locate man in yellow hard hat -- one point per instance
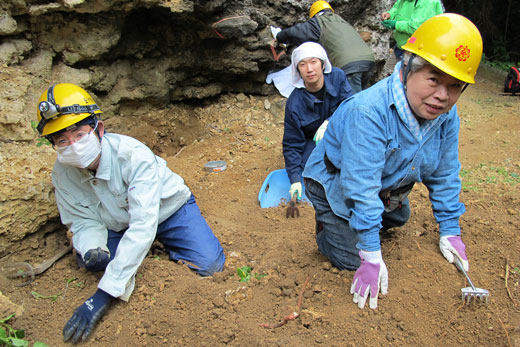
(343, 44)
(116, 197)
(402, 130)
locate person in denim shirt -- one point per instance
(117, 197)
(381, 141)
(319, 89)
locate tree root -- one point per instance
(293, 315)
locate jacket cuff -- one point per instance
(449, 227)
(369, 241)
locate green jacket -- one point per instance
(410, 14)
(341, 41)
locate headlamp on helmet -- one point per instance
(48, 110)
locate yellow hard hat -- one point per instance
(451, 43)
(318, 6)
(63, 105)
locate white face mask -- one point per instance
(81, 153)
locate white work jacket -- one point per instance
(132, 190)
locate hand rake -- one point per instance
(292, 210)
(471, 292)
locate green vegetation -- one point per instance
(13, 337)
(37, 295)
(41, 140)
(73, 279)
(473, 179)
(501, 62)
(245, 273)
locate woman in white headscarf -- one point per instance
(320, 88)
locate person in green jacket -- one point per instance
(406, 16)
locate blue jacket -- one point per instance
(370, 148)
(304, 113)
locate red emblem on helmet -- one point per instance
(462, 53)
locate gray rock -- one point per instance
(7, 24)
(13, 51)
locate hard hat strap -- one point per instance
(407, 70)
(77, 109)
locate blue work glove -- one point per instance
(389, 23)
(451, 246)
(370, 277)
(96, 259)
(85, 318)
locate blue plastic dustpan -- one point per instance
(275, 189)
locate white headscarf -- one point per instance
(304, 51)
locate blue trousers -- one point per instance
(334, 237)
(187, 237)
(359, 80)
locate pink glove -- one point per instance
(452, 245)
(370, 275)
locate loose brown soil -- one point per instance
(173, 306)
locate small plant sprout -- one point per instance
(37, 295)
(13, 337)
(245, 273)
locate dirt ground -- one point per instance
(173, 306)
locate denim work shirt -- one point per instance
(304, 113)
(373, 148)
(132, 190)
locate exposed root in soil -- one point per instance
(292, 315)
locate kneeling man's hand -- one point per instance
(85, 318)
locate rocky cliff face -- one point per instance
(134, 55)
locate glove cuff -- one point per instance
(296, 185)
(371, 257)
(102, 297)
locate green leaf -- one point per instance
(19, 342)
(37, 295)
(40, 344)
(19, 334)
(244, 273)
(3, 333)
(259, 276)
